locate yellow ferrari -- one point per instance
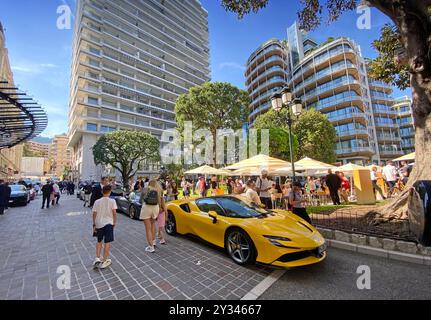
(248, 233)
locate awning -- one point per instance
(207, 170)
(407, 157)
(21, 118)
(261, 161)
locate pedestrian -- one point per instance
(263, 185)
(185, 185)
(345, 187)
(297, 202)
(251, 193)
(202, 187)
(390, 174)
(8, 193)
(96, 192)
(37, 188)
(374, 183)
(152, 200)
(56, 192)
(333, 182)
(404, 172)
(4, 196)
(46, 194)
(104, 222)
(87, 194)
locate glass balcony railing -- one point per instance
(354, 150)
(338, 117)
(353, 132)
(273, 80)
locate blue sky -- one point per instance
(40, 54)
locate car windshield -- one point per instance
(239, 208)
(18, 188)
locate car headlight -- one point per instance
(275, 241)
(322, 249)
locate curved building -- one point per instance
(266, 73)
(403, 109)
(332, 78)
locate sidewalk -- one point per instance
(35, 243)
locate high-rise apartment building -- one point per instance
(403, 109)
(131, 60)
(38, 149)
(331, 78)
(60, 155)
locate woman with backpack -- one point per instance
(152, 204)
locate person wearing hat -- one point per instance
(263, 185)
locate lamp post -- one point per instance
(280, 101)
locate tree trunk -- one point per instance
(412, 19)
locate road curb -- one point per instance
(264, 285)
(388, 254)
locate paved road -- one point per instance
(336, 278)
(35, 242)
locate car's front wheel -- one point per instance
(240, 247)
(171, 224)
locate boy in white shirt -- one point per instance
(104, 221)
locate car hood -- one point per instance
(287, 225)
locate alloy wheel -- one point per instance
(239, 247)
(170, 224)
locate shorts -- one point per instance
(106, 233)
(161, 219)
(149, 212)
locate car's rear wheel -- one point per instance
(240, 247)
(132, 213)
(171, 224)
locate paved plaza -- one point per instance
(36, 243)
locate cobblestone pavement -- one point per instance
(35, 243)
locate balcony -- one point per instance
(355, 150)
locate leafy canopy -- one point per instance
(126, 151)
(308, 131)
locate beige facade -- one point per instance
(37, 148)
(60, 155)
(10, 159)
(131, 61)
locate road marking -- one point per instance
(264, 285)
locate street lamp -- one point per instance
(281, 100)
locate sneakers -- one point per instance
(105, 264)
(154, 243)
(163, 242)
(97, 262)
(150, 249)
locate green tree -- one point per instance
(213, 106)
(308, 131)
(316, 136)
(412, 29)
(126, 151)
(278, 142)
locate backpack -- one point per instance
(152, 197)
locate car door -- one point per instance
(204, 226)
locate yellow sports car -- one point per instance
(248, 233)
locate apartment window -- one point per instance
(94, 50)
(92, 127)
(94, 63)
(92, 100)
(107, 129)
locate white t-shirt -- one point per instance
(103, 207)
(253, 196)
(55, 188)
(263, 184)
(373, 176)
(390, 173)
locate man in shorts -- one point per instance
(104, 220)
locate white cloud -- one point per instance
(231, 65)
(32, 68)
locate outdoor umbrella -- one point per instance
(309, 164)
(349, 168)
(261, 161)
(207, 170)
(407, 157)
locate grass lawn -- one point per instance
(326, 209)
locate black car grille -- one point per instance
(289, 257)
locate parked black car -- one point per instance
(19, 196)
(129, 205)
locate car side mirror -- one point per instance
(213, 215)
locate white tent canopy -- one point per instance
(207, 170)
